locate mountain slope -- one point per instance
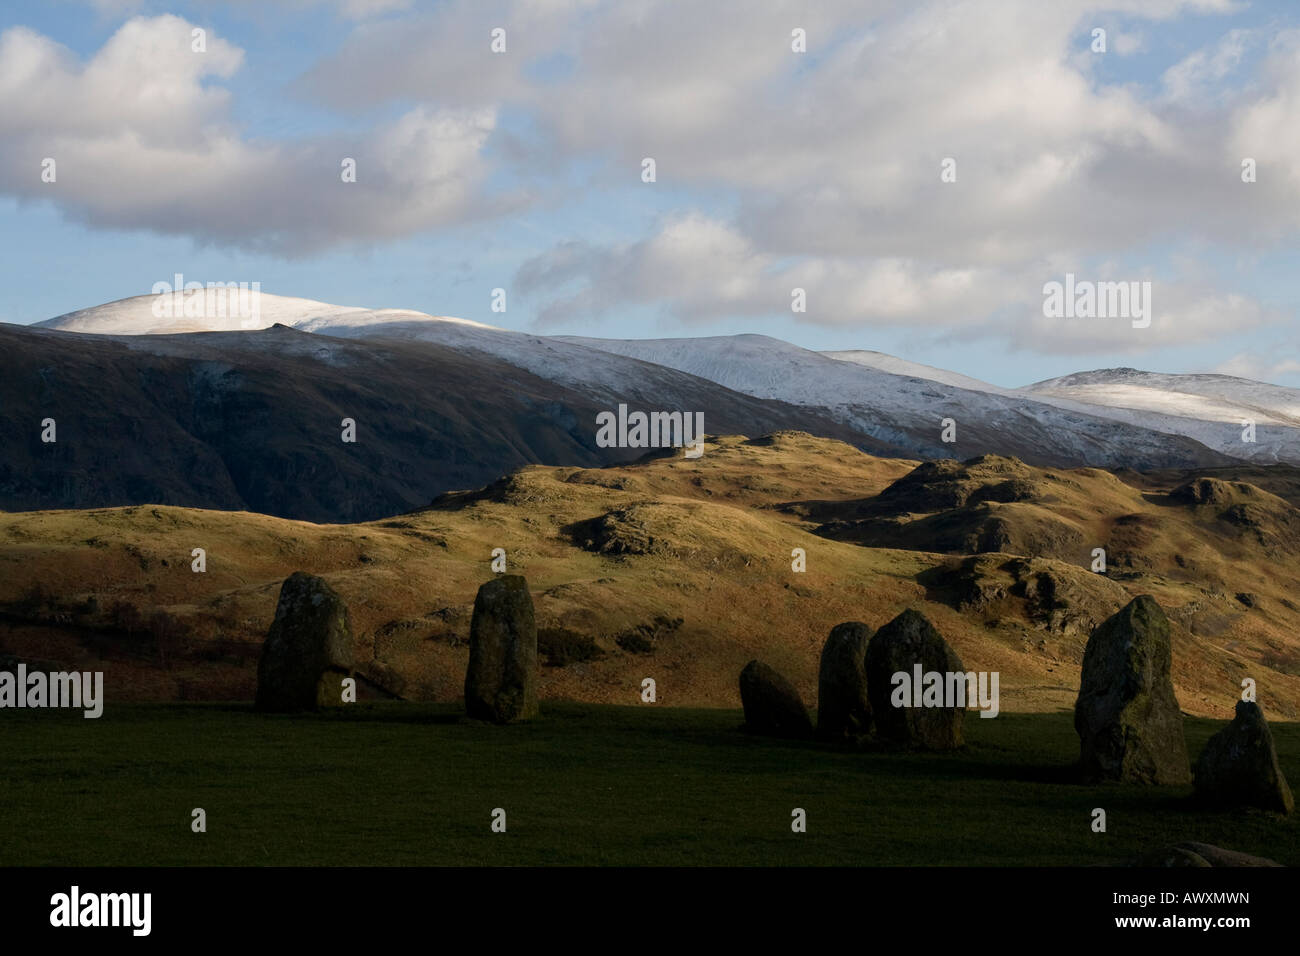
(1212, 409)
(907, 410)
(890, 402)
(252, 420)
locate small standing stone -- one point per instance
(843, 705)
(308, 650)
(1239, 768)
(1127, 717)
(773, 707)
(898, 647)
(501, 681)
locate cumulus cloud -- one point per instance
(698, 269)
(1261, 368)
(834, 164)
(819, 170)
(142, 137)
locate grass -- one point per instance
(410, 784)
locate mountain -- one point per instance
(605, 377)
(251, 420)
(905, 406)
(884, 362)
(1212, 409)
(887, 402)
(196, 311)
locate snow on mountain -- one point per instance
(1222, 397)
(898, 366)
(1150, 421)
(603, 377)
(199, 310)
(1210, 409)
(139, 315)
(908, 407)
(1213, 409)
(548, 358)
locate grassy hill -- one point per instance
(680, 570)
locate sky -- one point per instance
(796, 145)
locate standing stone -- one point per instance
(501, 682)
(843, 705)
(898, 647)
(773, 707)
(1239, 768)
(1129, 725)
(308, 651)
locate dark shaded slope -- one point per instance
(251, 420)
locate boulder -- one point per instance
(1239, 768)
(308, 650)
(501, 681)
(843, 706)
(1127, 717)
(773, 707)
(898, 647)
(1192, 854)
(1218, 856)
(1172, 857)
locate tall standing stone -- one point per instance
(1127, 717)
(501, 682)
(308, 650)
(843, 704)
(1239, 768)
(773, 707)
(898, 647)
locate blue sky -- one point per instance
(775, 169)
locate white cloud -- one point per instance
(1182, 314)
(827, 164)
(1261, 368)
(834, 164)
(1196, 78)
(143, 138)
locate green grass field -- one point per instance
(409, 784)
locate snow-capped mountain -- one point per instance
(193, 311)
(1213, 409)
(549, 358)
(905, 403)
(1090, 419)
(897, 366)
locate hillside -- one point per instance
(906, 404)
(252, 420)
(681, 570)
(890, 405)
